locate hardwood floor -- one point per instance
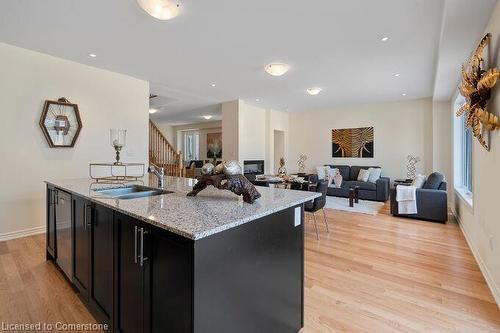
(368, 274)
(386, 274)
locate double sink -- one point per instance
(131, 192)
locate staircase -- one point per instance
(163, 154)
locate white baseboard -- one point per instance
(494, 288)
(22, 233)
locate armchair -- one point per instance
(432, 204)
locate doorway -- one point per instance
(279, 148)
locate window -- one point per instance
(191, 146)
(466, 180)
(462, 154)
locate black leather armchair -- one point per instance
(432, 205)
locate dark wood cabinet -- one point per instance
(101, 263)
(131, 275)
(154, 282)
(170, 282)
(82, 217)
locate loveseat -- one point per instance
(378, 191)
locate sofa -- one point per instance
(432, 201)
(378, 191)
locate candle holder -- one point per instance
(117, 138)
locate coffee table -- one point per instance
(353, 195)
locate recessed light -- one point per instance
(257, 100)
(152, 110)
(160, 9)
(314, 90)
(213, 85)
(403, 94)
(92, 55)
(384, 39)
(396, 74)
(277, 68)
(207, 117)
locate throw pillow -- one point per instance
(337, 179)
(363, 175)
(434, 180)
(419, 181)
(321, 171)
(374, 174)
(331, 172)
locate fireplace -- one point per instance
(253, 168)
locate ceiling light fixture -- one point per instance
(396, 75)
(385, 39)
(160, 9)
(152, 110)
(403, 94)
(92, 55)
(207, 117)
(213, 85)
(257, 100)
(277, 68)
(314, 91)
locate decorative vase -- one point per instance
(337, 179)
(282, 169)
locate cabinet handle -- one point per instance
(142, 258)
(88, 222)
(85, 217)
(135, 244)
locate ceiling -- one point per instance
(333, 44)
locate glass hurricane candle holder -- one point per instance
(117, 138)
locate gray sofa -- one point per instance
(378, 191)
(432, 202)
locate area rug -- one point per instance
(364, 206)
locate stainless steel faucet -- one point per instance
(158, 172)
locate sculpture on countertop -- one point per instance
(207, 169)
(226, 176)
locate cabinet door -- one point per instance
(130, 316)
(169, 283)
(101, 281)
(82, 215)
(51, 224)
(64, 235)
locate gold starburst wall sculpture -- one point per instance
(476, 87)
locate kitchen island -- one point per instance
(172, 263)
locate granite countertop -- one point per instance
(210, 212)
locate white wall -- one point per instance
(168, 132)
(105, 99)
(481, 223)
(230, 130)
(251, 132)
(400, 128)
(442, 142)
(248, 133)
(277, 121)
